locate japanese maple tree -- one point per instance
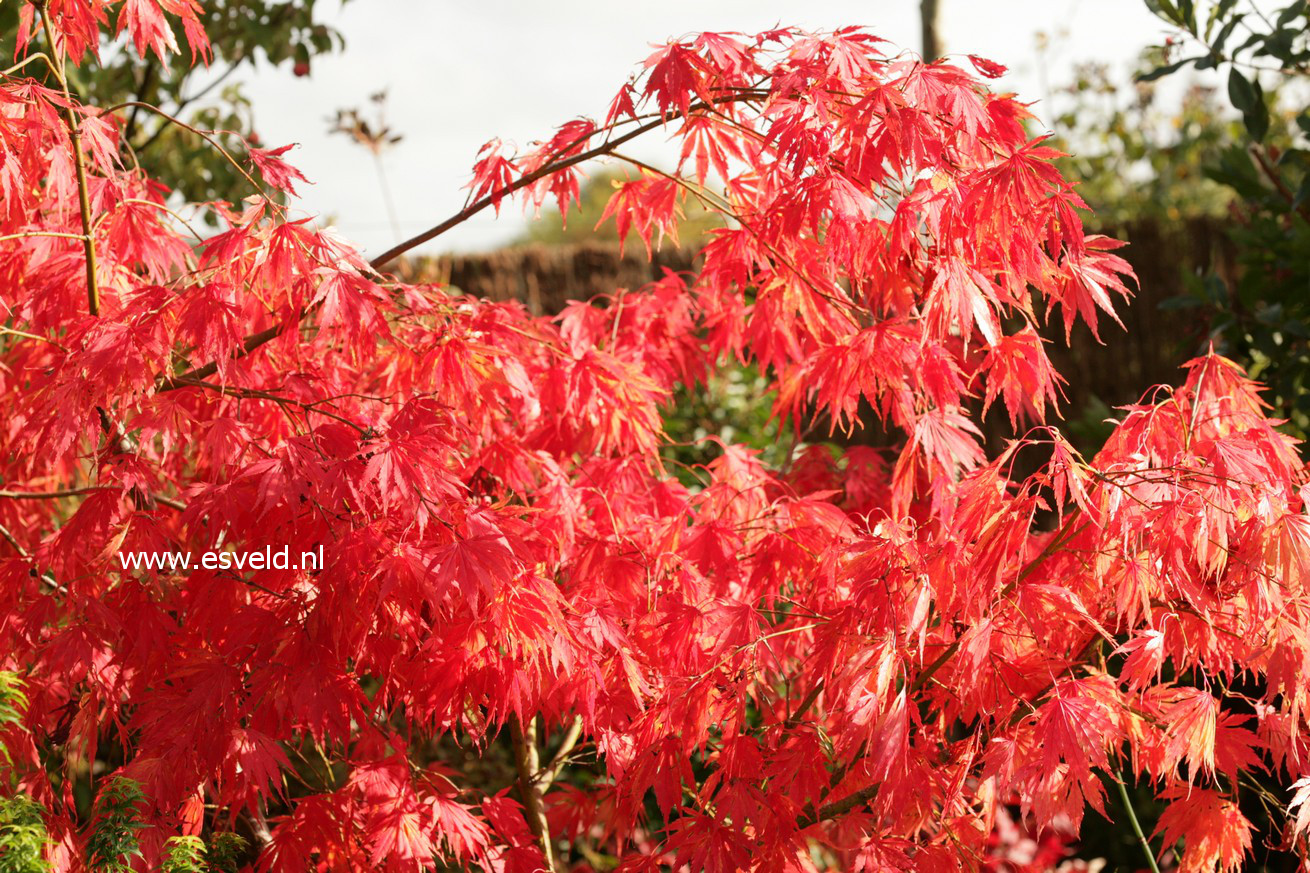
(860, 660)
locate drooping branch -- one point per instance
(256, 394)
(496, 196)
(63, 493)
(256, 340)
(548, 169)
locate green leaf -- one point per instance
(1257, 118)
(1240, 91)
(22, 836)
(1160, 72)
(113, 841)
(1248, 98)
(1279, 44)
(1302, 194)
(1165, 9)
(1248, 43)
(225, 851)
(1188, 11)
(183, 855)
(1293, 9)
(1225, 32)
(1294, 157)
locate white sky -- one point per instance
(461, 73)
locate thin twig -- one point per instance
(198, 132)
(1137, 827)
(35, 56)
(570, 741)
(79, 165)
(1257, 153)
(170, 502)
(9, 331)
(58, 234)
(256, 394)
(9, 538)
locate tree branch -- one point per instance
(257, 394)
(552, 167)
(552, 770)
(88, 489)
(804, 706)
(528, 763)
(1258, 155)
(496, 196)
(837, 807)
(79, 164)
(255, 340)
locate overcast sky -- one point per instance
(461, 73)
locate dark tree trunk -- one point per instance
(929, 11)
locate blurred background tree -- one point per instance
(243, 35)
(1260, 318)
(1137, 157)
(1259, 315)
(377, 137)
(1236, 153)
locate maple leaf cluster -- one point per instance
(858, 660)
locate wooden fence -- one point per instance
(1128, 361)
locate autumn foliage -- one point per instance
(864, 659)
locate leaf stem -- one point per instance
(1132, 820)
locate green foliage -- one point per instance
(184, 855)
(22, 836)
(225, 852)
(733, 407)
(241, 33)
(1258, 316)
(13, 702)
(113, 841)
